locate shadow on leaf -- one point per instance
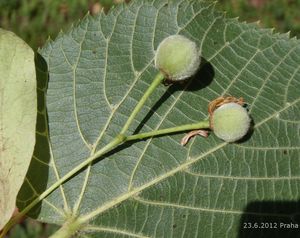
(200, 80)
(37, 174)
(270, 219)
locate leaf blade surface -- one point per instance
(143, 185)
(17, 118)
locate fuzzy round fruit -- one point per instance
(177, 57)
(231, 122)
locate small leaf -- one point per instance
(17, 118)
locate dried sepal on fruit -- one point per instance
(191, 134)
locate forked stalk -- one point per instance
(118, 140)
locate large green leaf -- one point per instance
(157, 188)
(17, 118)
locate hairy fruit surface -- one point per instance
(177, 57)
(231, 122)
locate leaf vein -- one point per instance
(234, 212)
(269, 76)
(113, 230)
(234, 177)
(74, 92)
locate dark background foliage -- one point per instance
(36, 20)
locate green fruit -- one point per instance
(177, 57)
(230, 122)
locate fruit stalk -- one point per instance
(187, 127)
(157, 80)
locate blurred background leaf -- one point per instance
(282, 15)
(18, 102)
(36, 20)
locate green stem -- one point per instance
(115, 142)
(157, 80)
(66, 230)
(188, 127)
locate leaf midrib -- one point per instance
(125, 196)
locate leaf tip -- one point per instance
(273, 30)
(47, 43)
(87, 15)
(60, 34)
(258, 23)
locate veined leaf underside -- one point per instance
(156, 188)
